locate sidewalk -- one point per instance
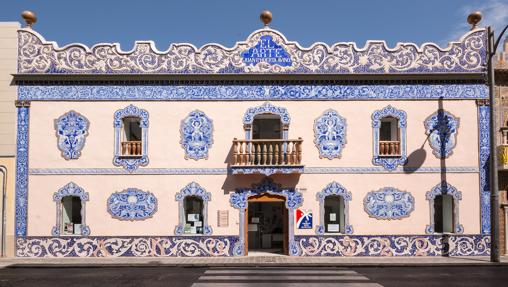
(248, 261)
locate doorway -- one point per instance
(267, 224)
(266, 127)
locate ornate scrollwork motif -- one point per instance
(71, 131)
(132, 204)
(389, 203)
(36, 55)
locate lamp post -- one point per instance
(473, 19)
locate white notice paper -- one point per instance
(253, 227)
(255, 220)
(333, 216)
(333, 227)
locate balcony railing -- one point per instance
(503, 155)
(389, 148)
(131, 148)
(271, 152)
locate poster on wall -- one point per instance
(304, 218)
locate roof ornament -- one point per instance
(474, 18)
(266, 17)
(30, 18)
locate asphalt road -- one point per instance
(255, 276)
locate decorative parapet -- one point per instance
(265, 51)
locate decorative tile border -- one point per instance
(394, 245)
(22, 139)
(218, 246)
(142, 246)
(38, 56)
(220, 171)
(283, 92)
(484, 146)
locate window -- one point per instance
(131, 138)
(389, 137)
(334, 214)
(334, 210)
(266, 126)
(193, 210)
(70, 211)
(444, 209)
(193, 206)
(443, 214)
(71, 215)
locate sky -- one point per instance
(226, 22)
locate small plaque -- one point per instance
(255, 220)
(223, 218)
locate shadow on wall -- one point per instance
(415, 160)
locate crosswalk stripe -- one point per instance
(279, 284)
(283, 277)
(261, 277)
(263, 271)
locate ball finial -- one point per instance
(474, 18)
(29, 17)
(266, 17)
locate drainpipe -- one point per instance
(3, 169)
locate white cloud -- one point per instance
(495, 14)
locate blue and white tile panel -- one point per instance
(38, 56)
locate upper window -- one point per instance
(70, 207)
(389, 137)
(267, 126)
(131, 138)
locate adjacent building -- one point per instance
(501, 92)
(8, 94)
(327, 150)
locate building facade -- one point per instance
(267, 145)
(8, 66)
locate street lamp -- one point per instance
(473, 19)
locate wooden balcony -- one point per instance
(389, 148)
(131, 148)
(503, 156)
(267, 156)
